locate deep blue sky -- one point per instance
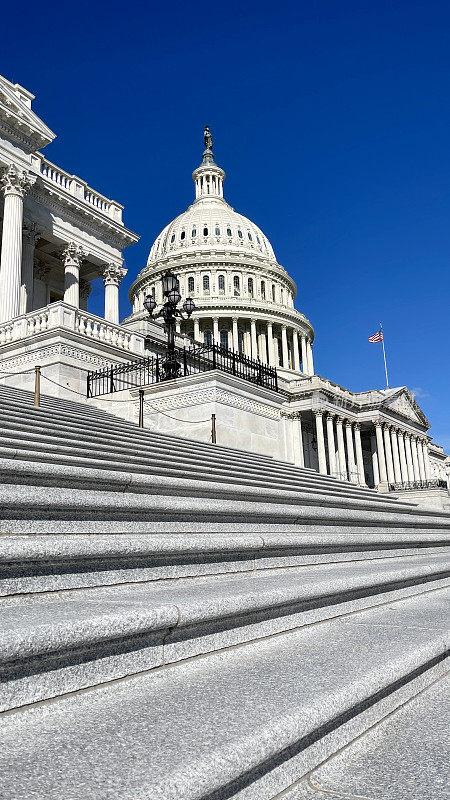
(331, 120)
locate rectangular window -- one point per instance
(224, 339)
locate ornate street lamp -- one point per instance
(169, 312)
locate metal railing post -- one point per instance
(141, 408)
(213, 428)
(37, 386)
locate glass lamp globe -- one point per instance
(150, 303)
(169, 283)
(189, 306)
(174, 296)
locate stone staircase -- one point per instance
(183, 620)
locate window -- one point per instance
(153, 292)
(282, 296)
(183, 234)
(250, 237)
(206, 283)
(250, 287)
(263, 290)
(205, 231)
(217, 231)
(224, 339)
(229, 232)
(257, 239)
(194, 232)
(273, 292)
(221, 284)
(172, 238)
(240, 341)
(237, 286)
(240, 234)
(208, 338)
(191, 285)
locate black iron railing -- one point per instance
(433, 483)
(191, 361)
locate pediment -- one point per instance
(404, 405)
(19, 120)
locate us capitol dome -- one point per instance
(244, 299)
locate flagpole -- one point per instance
(384, 356)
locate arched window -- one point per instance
(229, 232)
(194, 232)
(224, 339)
(263, 290)
(250, 237)
(221, 281)
(237, 286)
(273, 292)
(183, 234)
(208, 338)
(191, 285)
(206, 283)
(205, 231)
(172, 238)
(217, 231)
(240, 234)
(250, 287)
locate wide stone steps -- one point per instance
(243, 723)
(66, 641)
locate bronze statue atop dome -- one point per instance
(207, 138)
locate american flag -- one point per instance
(377, 337)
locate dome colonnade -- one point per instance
(244, 298)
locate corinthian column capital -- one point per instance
(113, 274)
(31, 232)
(73, 254)
(15, 182)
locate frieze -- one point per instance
(213, 396)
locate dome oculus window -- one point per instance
(221, 281)
(217, 231)
(257, 239)
(172, 238)
(194, 232)
(205, 231)
(182, 235)
(237, 286)
(191, 285)
(206, 283)
(229, 232)
(250, 237)
(240, 234)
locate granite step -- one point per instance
(66, 641)
(35, 563)
(245, 723)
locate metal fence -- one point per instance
(432, 483)
(190, 360)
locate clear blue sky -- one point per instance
(331, 120)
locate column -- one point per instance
(375, 469)
(85, 290)
(396, 460)
(196, 329)
(350, 453)
(235, 334)
(72, 257)
(14, 186)
(298, 440)
(359, 455)
(31, 234)
(380, 451)
(310, 357)
(420, 458)
(262, 347)
(304, 355)
(341, 448)
(426, 459)
(296, 351)
(409, 457)
(112, 278)
(216, 334)
(253, 338)
(415, 458)
(270, 344)
(284, 347)
(402, 451)
(320, 443)
(331, 443)
(388, 453)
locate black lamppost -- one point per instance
(169, 312)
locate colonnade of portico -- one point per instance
(17, 264)
(257, 338)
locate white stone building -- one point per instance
(58, 235)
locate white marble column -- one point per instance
(298, 440)
(31, 234)
(310, 357)
(331, 444)
(284, 347)
(395, 455)
(304, 355)
(112, 278)
(426, 459)
(415, 458)
(320, 442)
(235, 334)
(254, 339)
(262, 347)
(296, 351)
(196, 329)
(388, 452)
(216, 334)
(270, 344)
(359, 455)
(420, 458)
(14, 186)
(409, 457)
(402, 451)
(341, 448)
(353, 477)
(380, 451)
(375, 468)
(72, 256)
